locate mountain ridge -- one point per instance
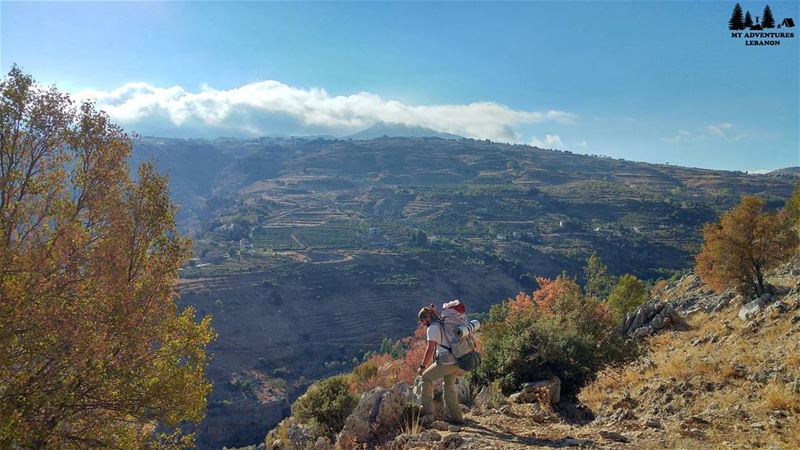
(335, 231)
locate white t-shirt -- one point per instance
(435, 334)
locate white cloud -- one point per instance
(550, 141)
(719, 129)
(723, 130)
(272, 107)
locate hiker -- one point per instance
(444, 366)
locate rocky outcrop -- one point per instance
(378, 413)
(289, 435)
(649, 318)
(678, 300)
(547, 390)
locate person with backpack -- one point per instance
(450, 351)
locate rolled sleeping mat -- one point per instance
(470, 328)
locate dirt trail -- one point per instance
(520, 427)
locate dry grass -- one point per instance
(792, 361)
(736, 403)
(780, 397)
(411, 422)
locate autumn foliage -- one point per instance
(556, 330)
(381, 370)
(93, 349)
(743, 245)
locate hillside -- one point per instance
(310, 251)
(722, 375)
(714, 381)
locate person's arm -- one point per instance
(426, 360)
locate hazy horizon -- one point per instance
(613, 79)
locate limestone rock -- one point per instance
(378, 412)
(451, 442)
(749, 310)
(427, 439)
(651, 316)
(440, 425)
(549, 390)
(613, 436)
(297, 435)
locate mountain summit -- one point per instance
(381, 129)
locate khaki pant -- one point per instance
(449, 372)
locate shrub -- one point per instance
(384, 370)
(561, 333)
(626, 296)
(326, 404)
(743, 245)
(793, 205)
(598, 281)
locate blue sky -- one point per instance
(651, 81)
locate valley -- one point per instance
(309, 251)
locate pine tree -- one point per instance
(767, 21)
(737, 19)
(598, 281)
(748, 20)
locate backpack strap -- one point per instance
(441, 333)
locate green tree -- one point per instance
(419, 238)
(326, 403)
(598, 281)
(767, 21)
(94, 352)
(793, 205)
(626, 296)
(737, 19)
(746, 242)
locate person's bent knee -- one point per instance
(429, 376)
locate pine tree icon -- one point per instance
(737, 19)
(767, 21)
(748, 20)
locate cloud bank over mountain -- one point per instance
(274, 108)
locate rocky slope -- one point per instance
(721, 372)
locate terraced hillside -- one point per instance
(310, 251)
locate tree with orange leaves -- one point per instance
(93, 349)
(743, 245)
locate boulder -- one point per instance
(378, 412)
(613, 436)
(293, 435)
(550, 390)
(440, 425)
(483, 398)
(429, 439)
(749, 310)
(651, 316)
(551, 387)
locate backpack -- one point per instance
(459, 334)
